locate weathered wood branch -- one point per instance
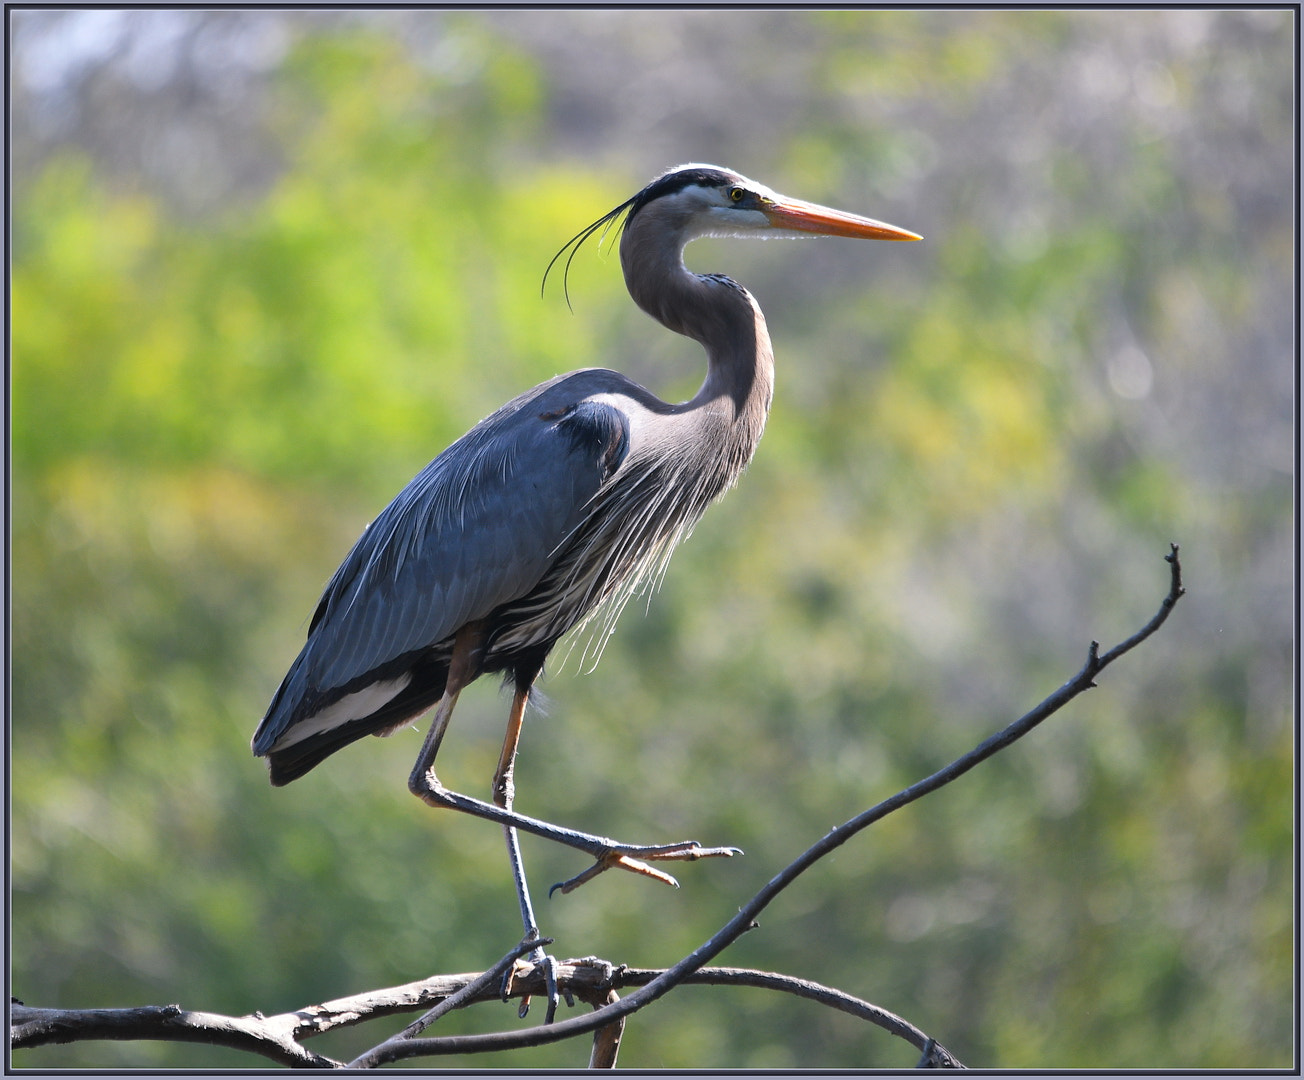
(273, 1037)
(591, 980)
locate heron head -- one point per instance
(696, 200)
(712, 201)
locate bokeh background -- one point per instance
(266, 264)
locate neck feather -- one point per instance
(713, 310)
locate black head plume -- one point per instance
(575, 242)
(672, 180)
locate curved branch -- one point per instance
(590, 979)
(277, 1037)
(271, 1036)
(580, 976)
(787, 984)
(745, 919)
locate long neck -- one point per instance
(715, 311)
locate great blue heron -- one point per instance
(556, 505)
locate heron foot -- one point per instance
(525, 967)
(608, 853)
(621, 858)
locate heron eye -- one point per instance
(736, 194)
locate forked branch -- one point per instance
(278, 1037)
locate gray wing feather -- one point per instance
(477, 528)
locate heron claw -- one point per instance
(622, 858)
(509, 978)
(522, 968)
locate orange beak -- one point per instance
(785, 213)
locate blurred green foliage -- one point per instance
(980, 448)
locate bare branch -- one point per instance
(594, 981)
(606, 1040)
(272, 1037)
(588, 979)
(591, 979)
(745, 919)
(937, 1056)
(276, 1037)
(803, 988)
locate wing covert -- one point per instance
(476, 528)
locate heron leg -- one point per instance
(504, 792)
(464, 667)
